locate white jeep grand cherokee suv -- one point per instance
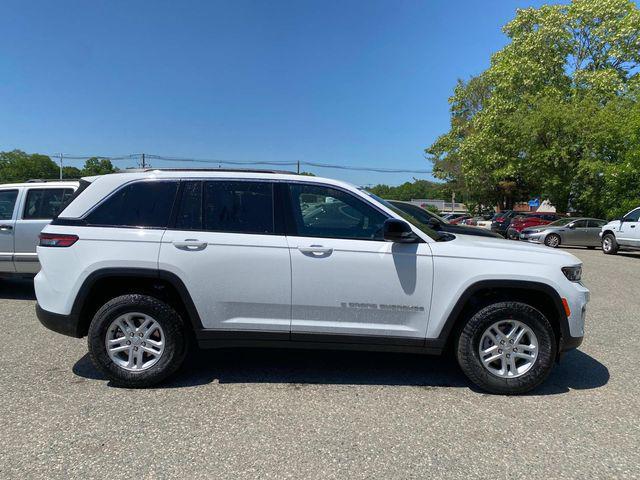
(140, 262)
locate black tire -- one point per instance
(552, 240)
(175, 339)
(609, 244)
(469, 342)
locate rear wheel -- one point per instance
(552, 240)
(137, 340)
(507, 348)
(609, 244)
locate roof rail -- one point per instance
(240, 170)
(47, 180)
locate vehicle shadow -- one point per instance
(577, 370)
(17, 289)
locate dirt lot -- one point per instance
(300, 414)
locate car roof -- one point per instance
(40, 183)
(103, 185)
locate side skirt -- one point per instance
(253, 339)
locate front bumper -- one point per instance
(65, 324)
(513, 234)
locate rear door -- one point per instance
(40, 205)
(594, 227)
(8, 212)
(227, 244)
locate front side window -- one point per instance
(320, 211)
(226, 206)
(580, 224)
(7, 203)
(139, 204)
(45, 203)
(633, 216)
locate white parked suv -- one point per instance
(25, 208)
(141, 262)
(622, 234)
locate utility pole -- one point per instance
(298, 167)
(60, 166)
(144, 165)
(453, 201)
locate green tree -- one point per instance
(18, 166)
(71, 172)
(553, 114)
(98, 166)
(409, 190)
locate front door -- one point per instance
(348, 283)
(8, 200)
(227, 247)
(629, 230)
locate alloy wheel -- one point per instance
(508, 348)
(135, 341)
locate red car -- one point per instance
(527, 220)
(459, 220)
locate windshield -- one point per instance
(561, 222)
(409, 218)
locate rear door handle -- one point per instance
(6, 227)
(316, 249)
(190, 244)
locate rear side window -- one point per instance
(7, 203)
(45, 203)
(596, 223)
(140, 204)
(223, 206)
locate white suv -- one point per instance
(622, 234)
(140, 262)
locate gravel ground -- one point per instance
(310, 414)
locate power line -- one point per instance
(142, 159)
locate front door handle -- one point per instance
(633, 226)
(6, 228)
(190, 244)
(316, 249)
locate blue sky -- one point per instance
(361, 83)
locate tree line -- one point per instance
(556, 114)
(18, 166)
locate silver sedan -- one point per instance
(566, 231)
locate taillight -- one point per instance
(57, 240)
(500, 219)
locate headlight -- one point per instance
(574, 273)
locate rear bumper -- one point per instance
(65, 324)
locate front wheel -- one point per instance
(609, 244)
(552, 240)
(507, 348)
(137, 340)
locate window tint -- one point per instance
(189, 215)
(45, 203)
(596, 223)
(633, 216)
(580, 224)
(7, 202)
(245, 207)
(140, 204)
(320, 211)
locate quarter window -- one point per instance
(7, 203)
(140, 204)
(45, 203)
(320, 211)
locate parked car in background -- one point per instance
(520, 222)
(436, 222)
(622, 234)
(25, 208)
(452, 216)
(566, 231)
(458, 220)
(501, 221)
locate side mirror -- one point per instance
(433, 223)
(571, 226)
(398, 231)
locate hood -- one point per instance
(494, 249)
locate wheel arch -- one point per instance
(104, 284)
(480, 294)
